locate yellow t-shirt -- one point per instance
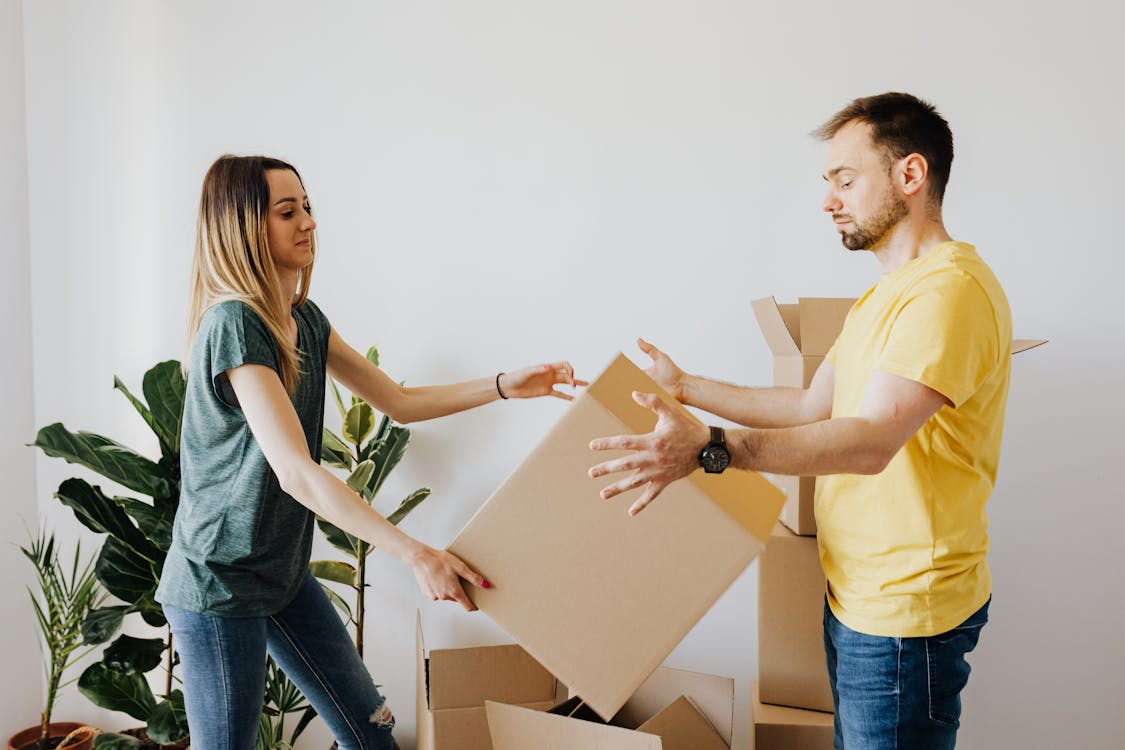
(905, 550)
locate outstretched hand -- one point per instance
(539, 380)
(664, 371)
(669, 452)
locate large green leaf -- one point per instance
(339, 400)
(129, 654)
(117, 691)
(337, 600)
(155, 520)
(334, 451)
(124, 574)
(358, 423)
(100, 625)
(115, 741)
(108, 458)
(386, 455)
(333, 570)
(150, 609)
(164, 389)
(168, 721)
(142, 409)
(102, 515)
(412, 501)
(339, 538)
(361, 475)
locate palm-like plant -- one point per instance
(63, 601)
(370, 454)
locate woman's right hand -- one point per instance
(664, 371)
(439, 574)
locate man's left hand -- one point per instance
(669, 452)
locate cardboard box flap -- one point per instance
(596, 596)
(821, 321)
(782, 336)
(463, 677)
(712, 696)
(765, 713)
(1022, 345)
(515, 728)
(681, 726)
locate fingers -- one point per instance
(462, 569)
(560, 394)
(646, 497)
(647, 348)
(613, 467)
(617, 443)
(630, 483)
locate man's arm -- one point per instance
(892, 410)
(752, 407)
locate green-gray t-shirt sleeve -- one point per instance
(236, 336)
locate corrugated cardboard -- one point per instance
(680, 724)
(791, 587)
(453, 685)
(799, 335)
(598, 597)
(781, 728)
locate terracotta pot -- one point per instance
(58, 730)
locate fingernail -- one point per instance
(485, 585)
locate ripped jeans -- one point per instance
(223, 665)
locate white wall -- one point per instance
(502, 182)
(19, 694)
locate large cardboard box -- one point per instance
(799, 335)
(453, 685)
(782, 728)
(672, 710)
(791, 587)
(598, 597)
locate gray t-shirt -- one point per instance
(240, 545)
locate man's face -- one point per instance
(862, 198)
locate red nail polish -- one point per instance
(486, 585)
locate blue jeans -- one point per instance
(898, 693)
(223, 664)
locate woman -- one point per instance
(236, 581)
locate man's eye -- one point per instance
(845, 185)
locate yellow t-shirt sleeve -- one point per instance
(944, 336)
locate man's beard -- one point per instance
(872, 231)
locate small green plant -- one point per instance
(282, 699)
(370, 455)
(63, 599)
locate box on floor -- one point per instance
(783, 728)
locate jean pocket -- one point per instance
(949, 671)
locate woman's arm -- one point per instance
(405, 405)
(275, 426)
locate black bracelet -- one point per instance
(498, 386)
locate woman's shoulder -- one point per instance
(312, 312)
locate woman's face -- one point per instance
(289, 221)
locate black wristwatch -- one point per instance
(715, 457)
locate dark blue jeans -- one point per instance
(223, 664)
(898, 693)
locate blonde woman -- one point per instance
(236, 582)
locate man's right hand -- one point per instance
(664, 371)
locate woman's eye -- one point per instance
(286, 214)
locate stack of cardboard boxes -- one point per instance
(792, 701)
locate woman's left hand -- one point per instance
(539, 380)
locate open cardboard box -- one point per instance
(782, 728)
(598, 597)
(453, 685)
(672, 710)
(799, 335)
(791, 588)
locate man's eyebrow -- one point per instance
(835, 171)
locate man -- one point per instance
(902, 421)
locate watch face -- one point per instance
(714, 459)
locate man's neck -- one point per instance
(909, 239)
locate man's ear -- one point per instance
(912, 172)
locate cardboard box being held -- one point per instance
(791, 587)
(598, 597)
(781, 728)
(453, 685)
(672, 710)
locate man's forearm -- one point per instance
(832, 446)
(753, 407)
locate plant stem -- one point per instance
(168, 678)
(361, 591)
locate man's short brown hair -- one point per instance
(902, 124)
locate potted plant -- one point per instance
(63, 599)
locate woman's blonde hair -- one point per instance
(232, 255)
